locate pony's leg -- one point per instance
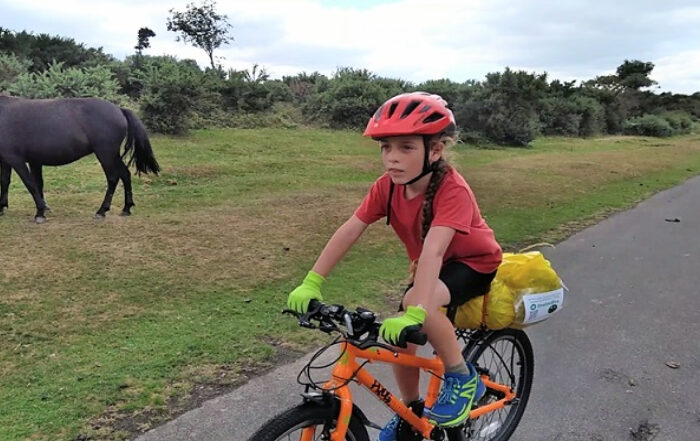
(5, 173)
(37, 172)
(24, 174)
(125, 176)
(112, 174)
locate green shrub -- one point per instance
(560, 116)
(647, 125)
(57, 82)
(172, 95)
(571, 116)
(281, 115)
(348, 99)
(592, 116)
(11, 67)
(504, 107)
(680, 122)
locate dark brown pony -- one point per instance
(34, 133)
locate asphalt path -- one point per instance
(620, 361)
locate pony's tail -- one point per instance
(138, 144)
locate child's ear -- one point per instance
(436, 150)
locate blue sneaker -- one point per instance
(390, 431)
(457, 395)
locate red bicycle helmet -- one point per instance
(415, 113)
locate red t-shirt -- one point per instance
(454, 206)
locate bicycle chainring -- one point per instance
(404, 431)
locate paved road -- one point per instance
(600, 371)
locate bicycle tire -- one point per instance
(486, 353)
(296, 418)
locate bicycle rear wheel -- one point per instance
(506, 356)
(290, 424)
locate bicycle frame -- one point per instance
(347, 367)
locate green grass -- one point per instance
(103, 321)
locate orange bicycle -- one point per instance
(504, 359)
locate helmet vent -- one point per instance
(378, 114)
(392, 109)
(410, 108)
(435, 116)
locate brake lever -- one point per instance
(302, 318)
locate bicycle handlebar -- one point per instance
(358, 323)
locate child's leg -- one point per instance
(407, 377)
(442, 337)
(439, 329)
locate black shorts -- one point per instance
(463, 282)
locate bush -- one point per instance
(592, 116)
(447, 89)
(504, 107)
(11, 67)
(560, 116)
(241, 93)
(572, 116)
(173, 93)
(281, 115)
(680, 122)
(74, 82)
(647, 125)
(348, 99)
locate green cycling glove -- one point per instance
(310, 288)
(394, 329)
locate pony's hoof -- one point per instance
(39, 219)
(125, 213)
(99, 216)
(2, 211)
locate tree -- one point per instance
(41, 50)
(202, 26)
(143, 36)
(635, 74)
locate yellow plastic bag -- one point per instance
(499, 309)
(525, 290)
(527, 272)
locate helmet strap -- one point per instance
(427, 169)
(427, 166)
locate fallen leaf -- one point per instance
(673, 364)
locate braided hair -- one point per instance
(441, 168)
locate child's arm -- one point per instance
(436, 242)
(339, 244)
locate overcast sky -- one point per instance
(414, 40)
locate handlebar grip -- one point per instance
(417, 337)
(314, 305)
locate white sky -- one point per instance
(414, 40)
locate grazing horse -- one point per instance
(60, 131)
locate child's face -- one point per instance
(403, 157)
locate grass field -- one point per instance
(107, 327)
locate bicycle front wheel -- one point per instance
(291, 424)
(506, 356)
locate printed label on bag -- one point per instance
(541, 305)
